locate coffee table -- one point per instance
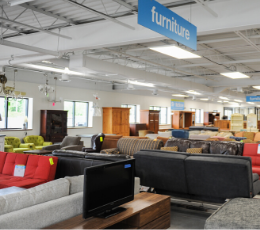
(10, 190)
(39, 152)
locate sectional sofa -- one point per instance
(207, 177)
(39, 169)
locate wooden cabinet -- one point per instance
(116, 121)
(53, 125)
(210, 117)
(222, 124)
(151, 119)
(183, 119)
(134, 128)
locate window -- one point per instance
(228, 112)
(13, 112)
(133, 112)
(77, 113)
(163, 113)
(198, 115)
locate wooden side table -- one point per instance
(146, 211)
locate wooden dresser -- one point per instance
(151, 119)
(53, 125)
(135, 127)
(116, 121)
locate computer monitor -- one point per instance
(106, 187)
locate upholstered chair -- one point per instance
(96, 143)
(13, 144)
(37, 141)
(68, 143)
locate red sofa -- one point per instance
(250, 150)
(38, 170)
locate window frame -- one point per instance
(160, 108)
(127, 106)
(74, 112)
(200, 115)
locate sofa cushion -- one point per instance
(46, 192)
(39, 167)
(68, 140)
(2, 160)
(194, 150)
(225, 148)
(173, 148)
(249, 135)
(127, 146)
(183, 145)
(69, 153)
(200, 144)
(147, 144)
(76, 183)
(255, 177)
(11, 160)
(20, 182)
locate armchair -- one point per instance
(96, 143)
(36, 142)
(13, 144)
(68, 143)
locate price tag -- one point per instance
(258, 149)
(19, 170)
(51, 161)
(101, 139)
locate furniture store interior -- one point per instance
(129, 114)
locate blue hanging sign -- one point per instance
(177, 104)
(252, 98)
(160, 19)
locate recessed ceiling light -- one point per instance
(224, 98)
(175, 51)
(235, 75)
(140, 83)
(204, 99)
(252, 103)
(179, 95)
(238, 100)
(257, 87)
(193, 92)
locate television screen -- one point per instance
(108, 186)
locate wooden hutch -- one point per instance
(209, 117)
(151, 119)
(183, 119)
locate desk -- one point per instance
(146, 211)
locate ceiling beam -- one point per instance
(247, 40)
(128, 6)
(11, 28)
(34, 28)
(48, 13)
(105, 16)
(206, 7)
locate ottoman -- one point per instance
(238, 213)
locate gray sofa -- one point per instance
(44, 205)
(206, 177)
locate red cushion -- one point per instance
(11, 160)
(256, 169)
(2, 160)
(39, 167)
(250, 149)
(22, 183)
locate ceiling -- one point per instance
(233, 50)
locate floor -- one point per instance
(184, 218)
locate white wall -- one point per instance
(108, 99)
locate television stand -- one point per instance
(111, 212)
(146, 211)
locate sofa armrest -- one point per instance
(8, 148)
(47, 143)
(73, 147)
(32, 145)
(110, 151)
(51, 147)
(26, 145)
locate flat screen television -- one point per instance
(106, 187)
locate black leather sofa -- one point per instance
(211, 178)
(72, 163)
(210, 147)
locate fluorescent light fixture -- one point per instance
(204, 99)
(193, 92)
(235, 75)
(238, 100)
(140, 83)
(252, 103)
(175, 51)
(233, 103)
(17, 2)
(225, 101)
(256, 87)
(219, 101)
(179, 95)
(223, 98)
(66, 70)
